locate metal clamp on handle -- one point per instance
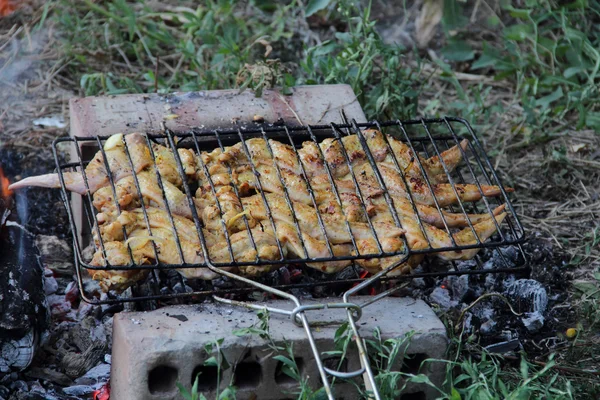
(350, 306)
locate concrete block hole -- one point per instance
(412, 363)
(208, 378)
(161, 379)
(281, 378)
(248, 375)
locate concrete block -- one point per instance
(211, 109)
(154, 350)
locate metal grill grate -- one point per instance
(429, 138)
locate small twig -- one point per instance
(290, 107)
(483, 297)
(156, 75)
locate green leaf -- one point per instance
(545, 101)
(315, 5)
(519, 13)
(455, 395)
(592, 120)
(211, 362)
(458, 51)
(183, 391)
(524, 368)
(453, 17)
(518, 32)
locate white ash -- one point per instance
(533, 321)
(488, 327)
(529, 295)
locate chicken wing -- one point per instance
(95, 172)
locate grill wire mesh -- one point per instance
(427, 137)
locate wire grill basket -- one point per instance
(429, 138)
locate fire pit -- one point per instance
(290, 121)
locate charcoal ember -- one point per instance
(91, 340)
(50, 375)
(460, 287)
(61, 309)
(72, 294)
(56, 253)
(4, 392)
(78, 390)
(96, 376)
(528, 295)
(441, 297)
(91, 288)
(50, 283)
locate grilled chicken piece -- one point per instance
(420, 238)
(119, 280)
(418, 189)
(375, 140)
(112, 223)
(167, 166)
(288, 237)
(96, 173)
(243, 251)
(308, 221)
(151, 193)
(431, 216)
(231, 213)
(483, 230)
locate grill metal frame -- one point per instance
(475, 161)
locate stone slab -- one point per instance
(154, 350)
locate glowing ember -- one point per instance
(5, 192)
(7, 7)
(103, 393)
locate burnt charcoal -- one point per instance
(61, 309)
(77, 364)
(78, 390)
(528, 295)
(459, 285)
(50, 283)
(504, 347)
(441, 297)
(533, 321)
(488, 328)
(4, 392)
(57, 254)
(50, 375)
(91, 341)
(97, 375)
(19, 386)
